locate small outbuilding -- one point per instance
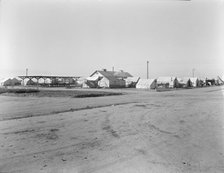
(147, 84)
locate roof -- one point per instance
(183, 80)
(165, 79)
(145, 81)
(132, 79)
(116, 74)
(93, 78)
(193, 79)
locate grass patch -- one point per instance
(18, 90)
(96, 94)
(23, 92)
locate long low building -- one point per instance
(48, 80)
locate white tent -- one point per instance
(92, 78)
(184, 82)
(2, 80)
(194, 81)
(13, 81)
(167, 82)
(146, 84)
(131, 81)
(219, 81)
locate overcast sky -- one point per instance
(77, 37)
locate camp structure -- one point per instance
(167, 82)
(219, 81)
(195, 81)
(78, 83)
(29, 82)
(131, 82)
(45, 82)
(146, 84)
(184, 82)
(92, 81)
(209, 82)
(11, 82)
(2, 81)
(107, 79)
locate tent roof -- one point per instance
(193, 79)
(132, 79)
(93, 78)
(183, 80)
(146, 81)
(165, 79)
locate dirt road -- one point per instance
(139, 132)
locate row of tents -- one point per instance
(118, 79)
(121, 79)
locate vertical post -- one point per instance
(193, 70)
(147, 69)
(26, 71)
(113, 68)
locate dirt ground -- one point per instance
(138, 132)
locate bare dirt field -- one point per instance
(137, 132)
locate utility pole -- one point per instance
(112, 68)
(147, 69)
(26, 71)
(193, 70)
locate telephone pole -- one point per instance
(193, 70)
(26, 71)
(147, 69)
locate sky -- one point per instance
(77, 37)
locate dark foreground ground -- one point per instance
(139, 132)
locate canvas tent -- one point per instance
(2, 81)
(146, 84)
(195, 81)
(219, 81)
(184, 82)
(167, 82)
(130, 82)
(11, 82)
(81, 82)
(92, 81)
(29, 82)
(209, 82)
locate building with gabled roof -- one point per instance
(108, 79)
